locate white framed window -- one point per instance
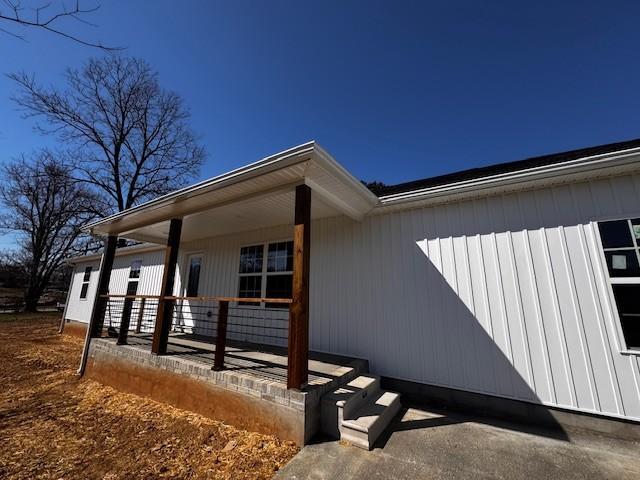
(266, 271)
(85, 283)
(620, 240)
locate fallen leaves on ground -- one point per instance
(54, 425)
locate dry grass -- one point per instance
(54, 425)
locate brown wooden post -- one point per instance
(221, 336)
(100, 301)
(298, 351)
(125, 320)
(165, 305)
(140, 315)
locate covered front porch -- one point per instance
(237, 310)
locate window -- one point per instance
(136, 266)
(85, 283)
(270, 279)
(134, 276)
(621, 245)
(193, 280)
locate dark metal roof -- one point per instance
(508, 167)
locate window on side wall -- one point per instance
(266, 279)
(84, 289)
(621, 244)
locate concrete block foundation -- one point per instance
(234, 397)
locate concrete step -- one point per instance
(370, 419)
(342, 402)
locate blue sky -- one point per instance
(394, 90)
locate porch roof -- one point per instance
(258, 195)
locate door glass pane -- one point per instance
(193, 281)
(87, 274)
(83, 290)
(622, 263)
(615, 234)
(251, 259)
(134, 272)
(132, 287)
(628, 303)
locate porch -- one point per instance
(263, 364)
(252, 325)
(250, 392)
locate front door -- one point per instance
(188, 309)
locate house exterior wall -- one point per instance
(505, 295)
(149, 283)
(79, 310)
(219, 277)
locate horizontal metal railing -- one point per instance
(141, 311)
(247, 323)
(218, 318)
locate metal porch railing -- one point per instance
(252, 320)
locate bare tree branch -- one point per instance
(132, 136)
(46, 207)
(14, 14)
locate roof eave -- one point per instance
(570, 170)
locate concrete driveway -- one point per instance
(424, 444)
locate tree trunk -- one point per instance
(31, 298)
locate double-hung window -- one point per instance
(621, 244)
(85, 283)
(266, 271)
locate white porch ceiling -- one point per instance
(256, 196)
(274, 209)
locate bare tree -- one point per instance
(43, 17)
(132, 135)
(46, 206)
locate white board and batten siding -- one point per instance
(149, 281)
(504, 295)
(79, 309)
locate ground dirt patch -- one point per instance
(54, 425)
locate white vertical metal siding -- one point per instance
(219, 277)
(149, 281)
(79, 310)
(504, 295)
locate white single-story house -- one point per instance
(517, 282)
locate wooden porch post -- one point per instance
(99, 302)
(125, 321)
(165, 306)
(140, 315)
(221, 337)
(298, 351)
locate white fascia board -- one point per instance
(267, 164)
(356, 203)
(343, 174)
(132, 250)
(520, 178)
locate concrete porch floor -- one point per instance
(429, 444)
